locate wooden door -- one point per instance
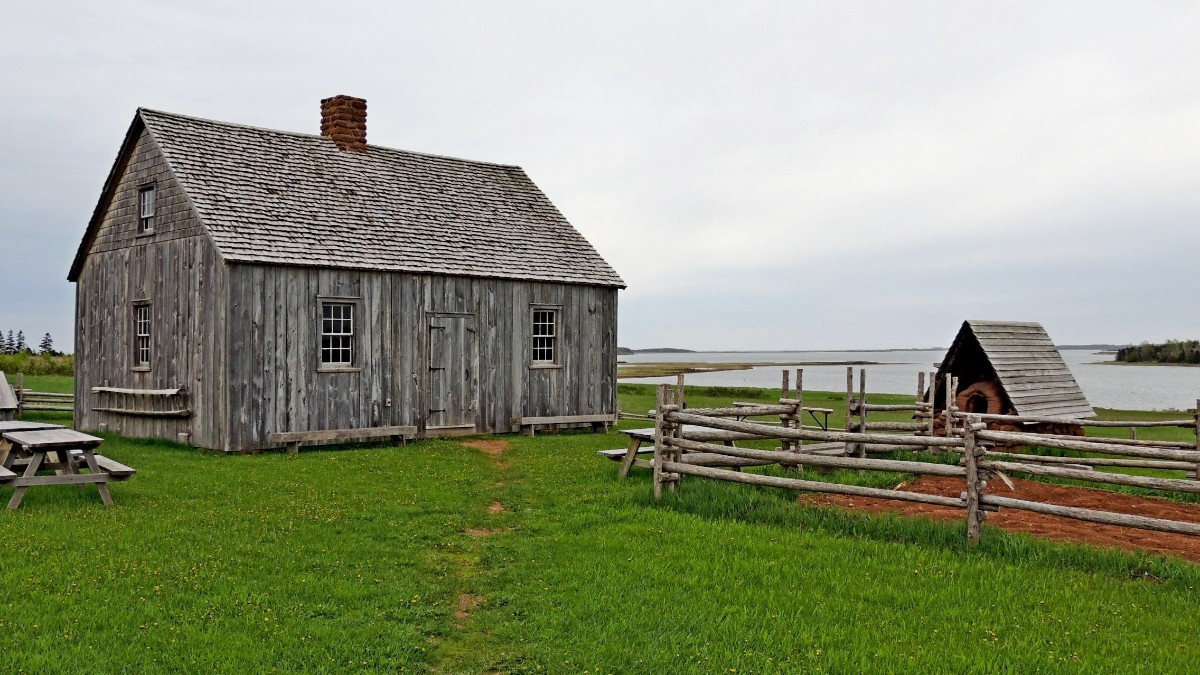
(453, 372)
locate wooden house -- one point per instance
(1010, 368)
(236, 284)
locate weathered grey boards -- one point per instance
(293, 439)
(256, 330)
(530, 424)
(1022, 359)
(441, 263)
(8, 400)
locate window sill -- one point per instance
(147, 233)
(544, 366)
(140, 369)
(339, 369)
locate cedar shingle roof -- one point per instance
(1027, 364)
(275, 197)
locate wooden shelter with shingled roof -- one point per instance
(1009, 367)
(239, 286)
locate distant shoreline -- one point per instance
(627, 352)
(627, 370)
(1099, 348)
(1142, 363)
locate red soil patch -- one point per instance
(466, 603)
(496, 508)
(1049, 527)
(493, 448)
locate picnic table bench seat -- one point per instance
(112, 467)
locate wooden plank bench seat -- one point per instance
(330, 436)
(597, 421)
(6, 475)
(117, 470)
(618, 454)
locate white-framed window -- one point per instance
(141, 335)
(337, 334)
(146, 198)
(545, 336)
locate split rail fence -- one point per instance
(28, 399)
(966, 434)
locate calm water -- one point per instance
(1107, 386)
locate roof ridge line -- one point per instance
(300, 134)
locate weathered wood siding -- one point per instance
(273, 333)
(179, 272)
(1023, 359)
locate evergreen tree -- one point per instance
(47, 345)
(20, 345)
(10, 344)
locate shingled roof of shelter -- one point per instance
(282, 198)
(1028, 366)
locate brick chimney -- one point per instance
(344, 120)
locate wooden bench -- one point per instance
(331, 436)
(597, 421)
(112, 467)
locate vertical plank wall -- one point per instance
(273, 335)
(179, 272)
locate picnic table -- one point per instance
(20, 425)
(63, 450)
(638, 437)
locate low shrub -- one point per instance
(37, 364)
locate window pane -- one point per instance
(544, 335)
(141, 334)
(337, 333)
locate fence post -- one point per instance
(675, 453)
(920, 386)
(849, 407)
(784, 420)
(862, 411)
(799, 468)
(974, 514)
(929, 396)
(659, 455)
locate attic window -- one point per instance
(146, 196)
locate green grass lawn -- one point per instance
(390, 559)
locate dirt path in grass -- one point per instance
(494, 449)
(1040, 525)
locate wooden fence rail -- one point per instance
(45, 401)
(966, 435)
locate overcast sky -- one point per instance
(764, 175)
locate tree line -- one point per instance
(11, 344)
(1171, 351)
